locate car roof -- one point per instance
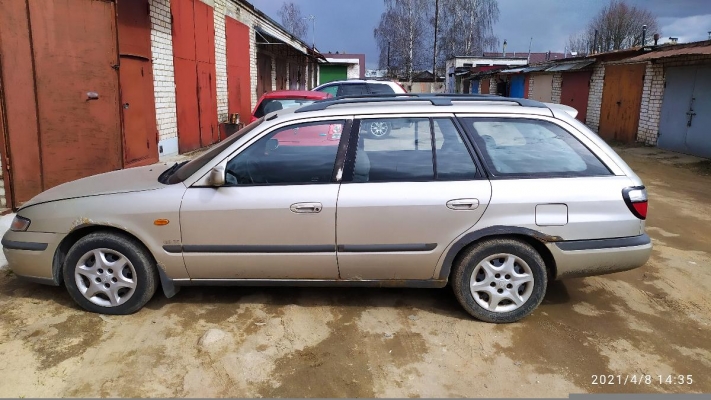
(301, 94)
(415, 104)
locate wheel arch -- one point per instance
(72, 237)
(535, 239)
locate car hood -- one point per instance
(121, 181)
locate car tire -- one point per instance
(379, 129)
(123, 281)
(500, 280)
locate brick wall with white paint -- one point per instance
(3, 199)
(597, 81)
(651, 106)
(492, 86)
(557, 87)
(163, 77)
(531, 82)
(353, 71)
(220, 59)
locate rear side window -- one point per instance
(352, 89)
(532, 148)
(332, 90)
(380, 88)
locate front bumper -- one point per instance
(30, 255)
(597, 257)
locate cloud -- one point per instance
(687, 29)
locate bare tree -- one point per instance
(292, 20)
(401, 35)
(618, 26)
(466, 28)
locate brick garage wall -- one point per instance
(3, 199)
(531, 82)
(353, 71)
(557, 85)
(220, 59)
(492, 86)
(651, 107)
(597, 80)
(163, 77)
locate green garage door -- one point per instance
(330, 73)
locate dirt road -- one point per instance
(243, 342)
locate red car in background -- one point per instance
(281, 99)
(304, 136)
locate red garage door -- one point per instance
(575, 90)
(238, 71)
(194, 63)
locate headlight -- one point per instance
(19, 224)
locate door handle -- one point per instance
(463, 204)
(303, 208)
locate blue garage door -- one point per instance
(475, 86)
(517, 83)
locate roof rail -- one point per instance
(436, 99)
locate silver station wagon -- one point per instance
(493, 196)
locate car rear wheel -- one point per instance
(379, 129)
(500, 280)
(110, 274)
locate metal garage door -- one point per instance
(517, 85)
(330, 73)
(621, 100)
(686, 111)
(195, 83)
(575, 90)
(542, 87)
(239, 96)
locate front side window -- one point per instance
(527, 147)
(297, 154)
(332, 90)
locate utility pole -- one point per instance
(529, 51)
(434, 48)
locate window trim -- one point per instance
(203, 182)
(485, 159)
(349, 166)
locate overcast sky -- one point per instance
(347, 25)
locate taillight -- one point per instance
(636, 200)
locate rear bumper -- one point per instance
(30, 255)
(597, 257)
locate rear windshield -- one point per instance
(188, 168)
(271, 105)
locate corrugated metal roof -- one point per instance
(511, 71)
(535, 68)
(701, 48)
(570, 66)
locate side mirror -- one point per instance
(217, 176)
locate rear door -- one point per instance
(405, 197)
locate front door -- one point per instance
(276, 216)
(405, 197)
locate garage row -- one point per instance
(653, 95)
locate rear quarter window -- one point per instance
(380, 88)
(532, 148)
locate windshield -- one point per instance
(184, 170)
(271, 105)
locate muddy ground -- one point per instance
(296, 342)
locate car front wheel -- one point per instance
(110, 274)
(500, 280)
